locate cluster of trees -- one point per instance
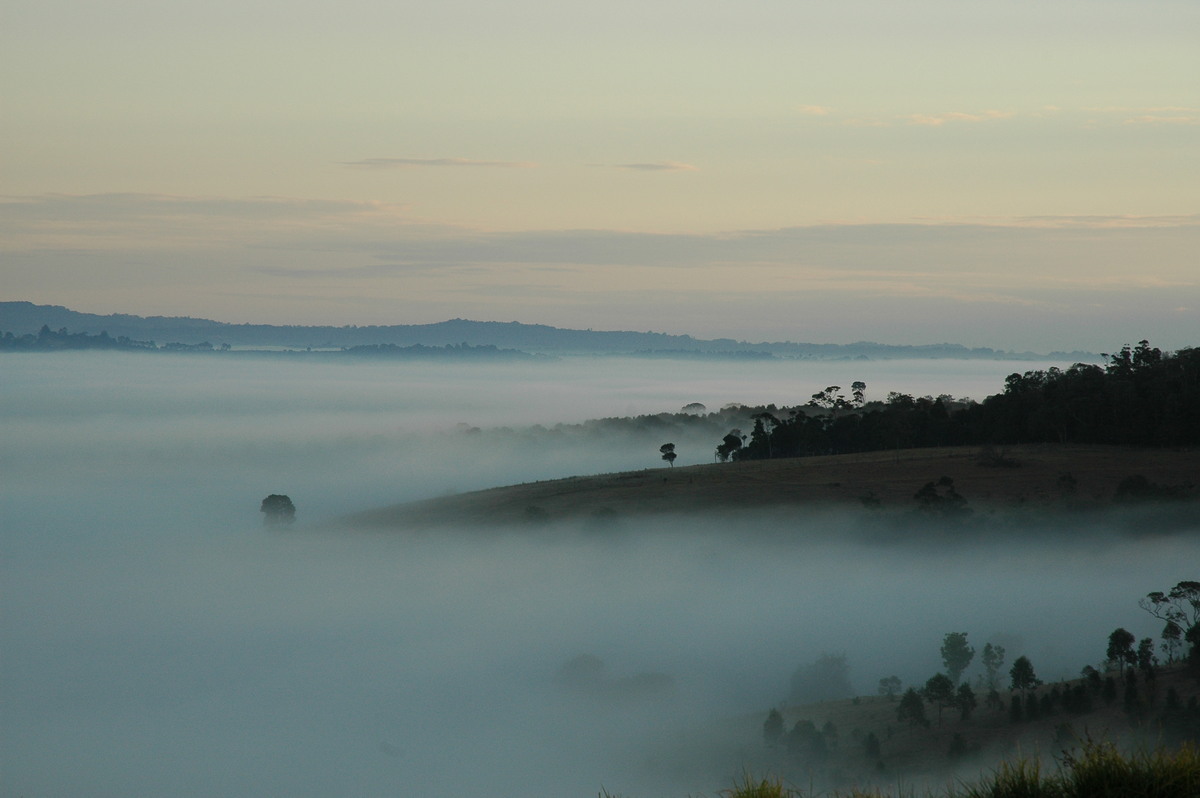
(947, 690)
(804, 739)
(1140, 396)
(463, 351)
(1128, 673)
(51, 340)
(1179, 607)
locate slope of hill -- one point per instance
(870, 745)
(1041, 476)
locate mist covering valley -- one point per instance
(158, 640)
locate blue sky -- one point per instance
(1012, 174)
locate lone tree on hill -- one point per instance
(889, 686)
(668, 453)
(956, 655)
(278, 510)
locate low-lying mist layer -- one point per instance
(253, 661)
(158, 640)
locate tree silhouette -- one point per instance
(912, 708)
(729, 445)
(668, 453)
(1120, 649)
(1180, 608)
(956, 655)
(277, 510)
(939, 690)
(1023, 677)
(993, 661)
(965, 700)
(773, 728)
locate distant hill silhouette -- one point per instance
(22, 318)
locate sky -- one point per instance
(1022, 175)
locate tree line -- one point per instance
(1129, 674)
(1139, 396)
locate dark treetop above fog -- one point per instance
(25, 318)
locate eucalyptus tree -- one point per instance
(956, 655)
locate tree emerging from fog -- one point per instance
(277, 510)
(1023, 677)
(912, 708)
(889, 687)
(993, 662)
(939, 691)
(773, 728)
(956, 655)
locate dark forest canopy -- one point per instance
(1140, 396)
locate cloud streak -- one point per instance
(407, 163)
(937, 120)
(659, 166)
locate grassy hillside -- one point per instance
(1049, 476)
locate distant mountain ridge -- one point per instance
(25, 317)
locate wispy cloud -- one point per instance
(814, 110)
(1151, 115)
(1163, 119)
(1099, 222)
(660, 166)
(937, 120)
(406, 163)
(141, 221)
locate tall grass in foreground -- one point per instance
(1098, 771)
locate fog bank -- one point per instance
(157, 640)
